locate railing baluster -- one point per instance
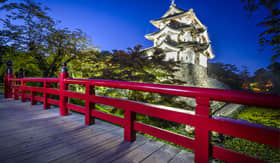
(23, 92)
(46, 96)
(202, 133)
(33, 101)
(7, 79)
(89, 106)
(15, 86)
(63, 87)
(129, 132)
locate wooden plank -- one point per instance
(92, 151)
(163, 155)
(54, 144)
(111, 154)
(182, 157)
(70, 148)
(42, 136)
(139, 154)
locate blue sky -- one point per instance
(119, 24)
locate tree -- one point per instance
(226, 73)
(271, 24)
(28, 29)
(131, 65)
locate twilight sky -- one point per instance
(118, 24)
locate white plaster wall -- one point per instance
(185, 37)
(171, 55)
(202, 60)
(174, 37)
(187, 56)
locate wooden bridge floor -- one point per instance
(31, 134)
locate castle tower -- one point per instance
(184, 38)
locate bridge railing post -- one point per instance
(129, 132)
(8, 92)
(23, 92)
(17, 90)
(62, 87)
(202, 132)
(89, 106)
(46, 96)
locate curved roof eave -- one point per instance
(169, 46)
(151, 36)
(176, 10)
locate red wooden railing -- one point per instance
(201, 120)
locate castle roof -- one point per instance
(173, 47)
(169, 28)
(175, 12)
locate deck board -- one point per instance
(32, 134)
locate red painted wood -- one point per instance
(129, 132)
(76, 108)
(76, 95)
(42, 90)
(146, 109)
(15, 80)
(202, 133)
(89, 106)
(27, 96)
(165, 135)
(253, 132)
(38, 98)
(49, 80)
(16, 92)
(54, 102)
(8, 92)
(63, 99)
(231, 156)
(23, 92)
(33, 100)
(107, 117)
(52, 91)
(46, 95)
(240, 97)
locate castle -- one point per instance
(184, 38)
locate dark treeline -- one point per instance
(262, 80)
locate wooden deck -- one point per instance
(31, 134)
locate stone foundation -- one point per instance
(193, 75)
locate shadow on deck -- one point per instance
(31, 134)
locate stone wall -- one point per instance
(193, 75)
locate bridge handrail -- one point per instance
(201, 120)
(239, 97)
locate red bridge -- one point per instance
(202, 120)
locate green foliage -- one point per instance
(32, 37)
(264, 116)
(253, 149)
